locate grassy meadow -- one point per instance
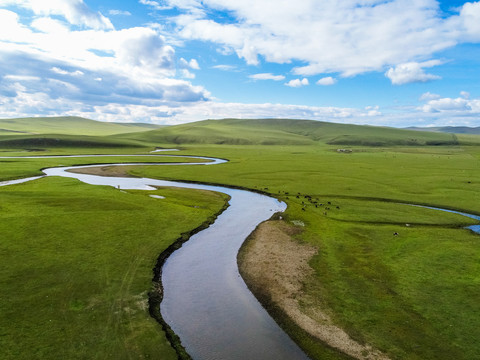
(77, 266)
(412, 295)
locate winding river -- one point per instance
(205, 300)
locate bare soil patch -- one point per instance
(118, 171)
(275, 266)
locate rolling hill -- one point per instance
(450, 129)
(68, 125)
(81, 132)
(291, 132)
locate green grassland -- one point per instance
(67, 125)
(294, 132)
(77, 266)
(412, 295)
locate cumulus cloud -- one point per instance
(187, 74)
(297, 83)
(463, 106)
(267, 76)
(412, 72)
(51, 66)
(469, 21)
(192, 64)
(348, 37)
(327, 81)
(76, 12)
(429, 96)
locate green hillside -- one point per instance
(68, 125)
(47, 132)
(58, 141)
(292, 132)
(451, 129)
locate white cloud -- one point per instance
(224, 67)
(65, 72)
(191, 5)
(76, 12)
(469, 21)
(21, 78)
(267, 76)
(327, 81)
(372, 111)
(192, 64)
(348, 37)
(119, 12)
(429, 96)
(453, 106)
(187, 74)
(49, 25)
(297, 83)
(411, 72)
(10, 28)
(45, 59)
(28, 101)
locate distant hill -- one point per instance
(450, 129)
(290, 132)
(68, 125)
(80, 132)
(36, 142)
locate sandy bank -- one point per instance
(274, 267)
(109, 170)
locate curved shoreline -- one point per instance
(277, 283)
(286, 310)
(155, 295)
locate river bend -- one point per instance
(206, 302)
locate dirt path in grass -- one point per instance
(275, 266)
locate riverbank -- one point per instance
(155, 295)
(274, 265)
(93, 251)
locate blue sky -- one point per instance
(380, 62)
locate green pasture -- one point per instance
(294, 132)
(413, 295)
(77, 265)
(443, 176)
(68, 125)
